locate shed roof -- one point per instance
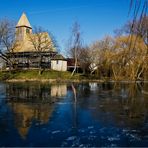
(58, 57)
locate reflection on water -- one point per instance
(87, 114)
(29, 103)
(58, 90)
(24, 114)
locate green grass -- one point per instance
(34, 74)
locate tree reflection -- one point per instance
(74, 106)
(124, 103)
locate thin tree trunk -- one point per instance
(40, 66)
(76, 61)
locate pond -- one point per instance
(73, 114)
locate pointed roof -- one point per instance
(23, 21)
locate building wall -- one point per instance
(21, 33)
(59, 65)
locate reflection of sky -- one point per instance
(91, 121)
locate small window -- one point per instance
(57, 61)
(27, 30)
(19, 30)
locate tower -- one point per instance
(23, 28)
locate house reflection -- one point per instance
(58, 90)
(35, 91)
(93, 86)
(26, 113)
(32, 102)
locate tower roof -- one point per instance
(23, 21)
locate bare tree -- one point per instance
(41, 42)
(75, 44)
(7, 42)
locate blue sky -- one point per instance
(97, 18)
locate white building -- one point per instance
(59, 63)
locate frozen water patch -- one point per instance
(125, 130)
(43, 129)
(113, 145)
(90, 127)
(134, 137)
(76, 143)
(81, 145)
(81, 130)
(55, 132)
(132, 134)
(103, 130)
(92, 132)
(113, 139)
(71, 138)
(92, 137)
(64, 144)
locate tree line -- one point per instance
(124, 56)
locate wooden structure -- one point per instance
(25, 55)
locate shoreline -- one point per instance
(71, 80)
(51, 76)
(53, 80)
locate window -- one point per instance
(57, 61)
(27, 30)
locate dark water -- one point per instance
(74, 115)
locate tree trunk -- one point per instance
(40, 65)
(76, 61)
(75, 67)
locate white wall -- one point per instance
(59, 65)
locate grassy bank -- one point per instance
(33, 74)
(48, 75)
(51, 76)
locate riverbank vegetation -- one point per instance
(124, 56)
(34, 75)
(47, 75)
(52, 76)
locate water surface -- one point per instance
(74, 115)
